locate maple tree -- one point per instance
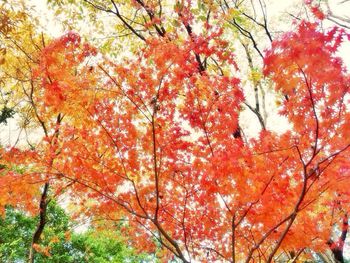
(155, 139)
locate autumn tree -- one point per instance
(155, 137)
(21, 43)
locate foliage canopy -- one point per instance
(146, 127)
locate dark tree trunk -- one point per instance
(42, 222)
(337, 248)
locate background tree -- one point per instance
(59, 243)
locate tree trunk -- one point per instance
(41, 224)
(338, 247)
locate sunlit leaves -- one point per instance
(153, 138)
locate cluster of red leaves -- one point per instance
(315, 10)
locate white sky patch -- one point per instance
(46, 18)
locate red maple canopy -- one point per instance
(154, 140)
